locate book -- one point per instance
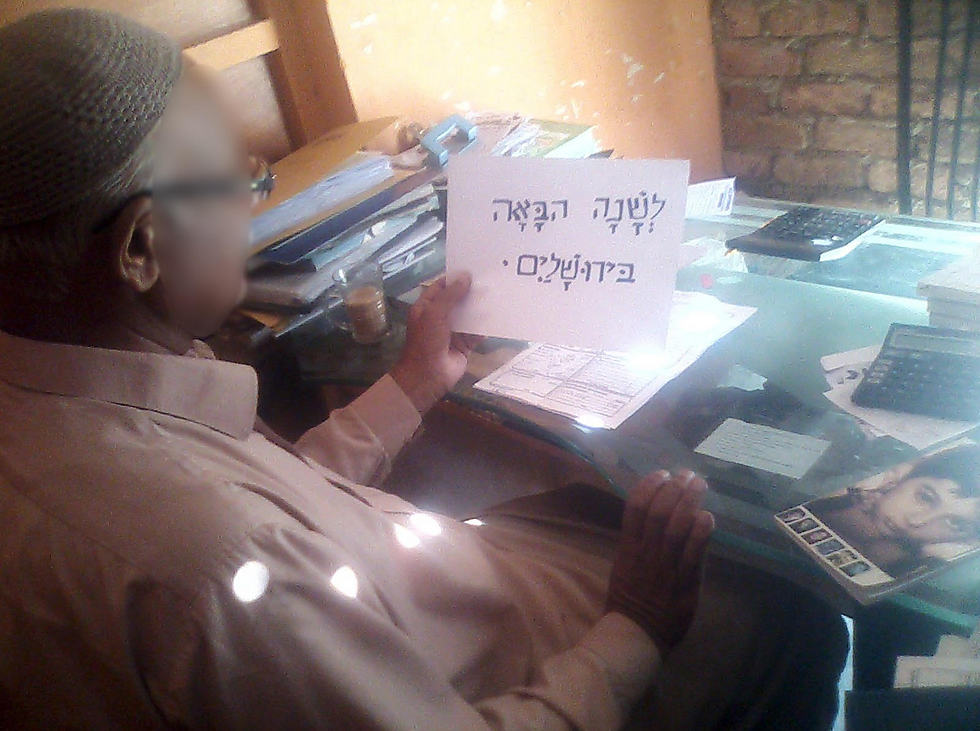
(959, 282)
(897, 528)
(957, 310)
(954, 323)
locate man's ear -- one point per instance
(133, 246)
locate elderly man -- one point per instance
(164, 562)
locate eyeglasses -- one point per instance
(259, 185)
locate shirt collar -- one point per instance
(195, 387)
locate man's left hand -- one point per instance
(434, 358)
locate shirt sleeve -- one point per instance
(360, 441)
(315, 647)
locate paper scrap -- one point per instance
(572, 252)
(710, 198)
(956, 662)
(956, 646)
(763, 447)
(851, 365)
(936, 672)
(850, 357)
(917, 431)
(602, 390)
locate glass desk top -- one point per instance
(767, 371)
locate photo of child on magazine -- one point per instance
(901, 524)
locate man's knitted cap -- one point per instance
(79, 91)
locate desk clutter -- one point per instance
(922, 385)
(341, 208)
(845, 371)
(337, 204)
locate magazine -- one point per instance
(896, 528)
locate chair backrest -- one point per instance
(951, 137)
(279, 59)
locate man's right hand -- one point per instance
(656, 577)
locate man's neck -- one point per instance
(151, 337)
(129, 328)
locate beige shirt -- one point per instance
(162, 563)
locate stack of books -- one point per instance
(953, 295)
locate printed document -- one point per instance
(603, 389)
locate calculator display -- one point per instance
(936, 343)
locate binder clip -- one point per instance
(452, 135)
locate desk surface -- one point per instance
(767, 371)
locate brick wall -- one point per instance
(809, 100)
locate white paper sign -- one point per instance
(570, 252)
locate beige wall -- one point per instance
(643, 70)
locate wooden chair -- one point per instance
(279, 59)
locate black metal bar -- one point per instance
(973, 182)
(975, 178)
(937, 103)
(904, 112)
(954, 157)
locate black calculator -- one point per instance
(925, 370)
(809, 233)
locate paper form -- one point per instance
(601, 389)
(763, 447)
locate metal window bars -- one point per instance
(945, 61)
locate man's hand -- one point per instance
(434, 358)
(656, 577)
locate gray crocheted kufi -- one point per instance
(79, 91)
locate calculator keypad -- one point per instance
(811, 223)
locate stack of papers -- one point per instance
(844, 372)
(953, 295)
(601, 389)
(357, 175)
(390, 237)
(956, 663)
